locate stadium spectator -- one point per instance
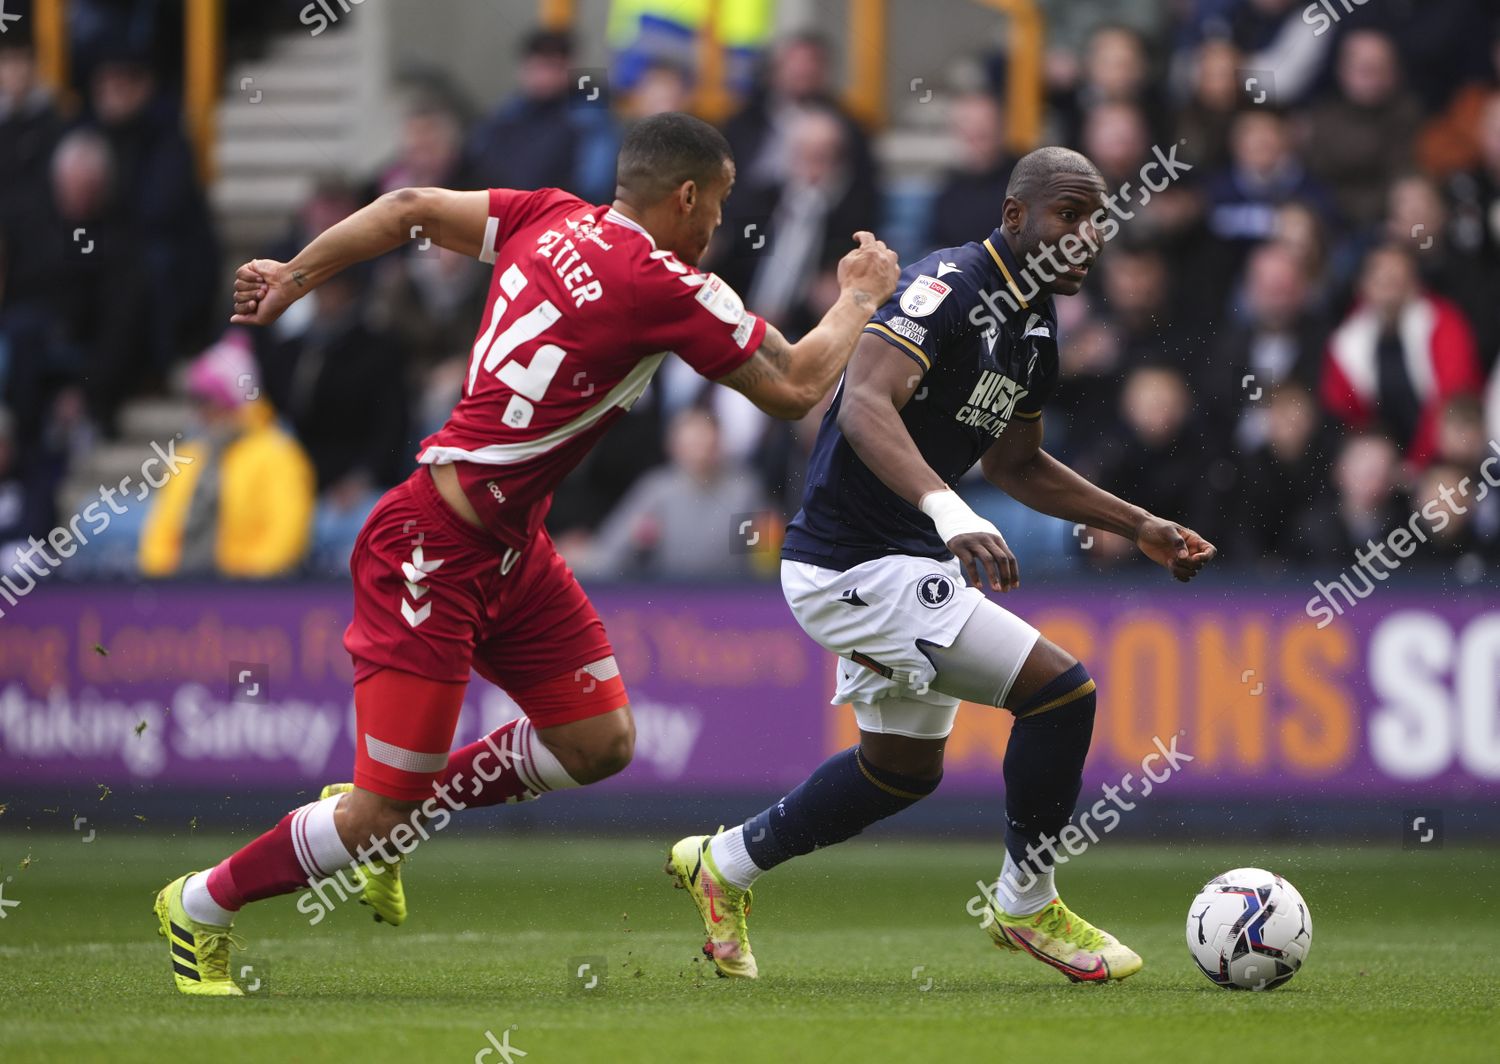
(1204, 120)
(1264, 174)
(1475, 198)
(333, 199)
(1275, 41)
(1137, 288)
(741, 423)
(1361, 138)
(29, 129)
(760, 135)
(1398, 356)
(633, 447)
(542, 137)
(77, 291)
(1089, 366)
(430, 153)
(1131, 328)
(1157, 459)
(425, 298)
(1276, 338)
(1461, 433)
(678, 521)
(1277, 480)
(1461, 442)
(1301, 230)
(1448, 492)
(1116, 68)
(1442, 45)
(156, 187)
(1117, 137)
(244, 506)
(342, 386)
(1449, 143)
(1417, 217)
(807, 219)
(1366, 506)
(973, 190)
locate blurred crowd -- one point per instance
(1293, 348)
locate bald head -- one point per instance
(1053, 202)
(1036, 169)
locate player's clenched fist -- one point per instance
(262, 291)
(870, 271)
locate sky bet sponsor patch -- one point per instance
(917, 334)
(721, 300)
(924, 295)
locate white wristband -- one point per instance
(952, 515)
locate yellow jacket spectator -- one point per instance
(244, 507)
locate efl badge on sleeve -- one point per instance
(923, 295)
(722, 301)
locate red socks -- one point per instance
(508, 765)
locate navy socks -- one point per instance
(1044, 765)
(845, 795)
(1043, 775)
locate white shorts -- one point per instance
(877, 616)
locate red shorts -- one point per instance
(435, 596)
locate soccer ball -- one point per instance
(1249, 929)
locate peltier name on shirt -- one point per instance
(567, 260)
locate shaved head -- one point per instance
(1037, 168)
(1056, 202)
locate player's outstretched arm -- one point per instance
(264, 288)
(787, 380)
(880, 381)
(1017, 465)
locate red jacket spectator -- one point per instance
(1399, 356)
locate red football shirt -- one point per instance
(582, 309)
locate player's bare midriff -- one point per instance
(446, 479)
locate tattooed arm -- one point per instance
(264, 288)
(787, 380)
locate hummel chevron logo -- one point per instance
(851, 597)
(417, 569)
(4, 18)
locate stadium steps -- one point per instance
(142, 422)
(289, 117)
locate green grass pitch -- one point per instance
(866, 953)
